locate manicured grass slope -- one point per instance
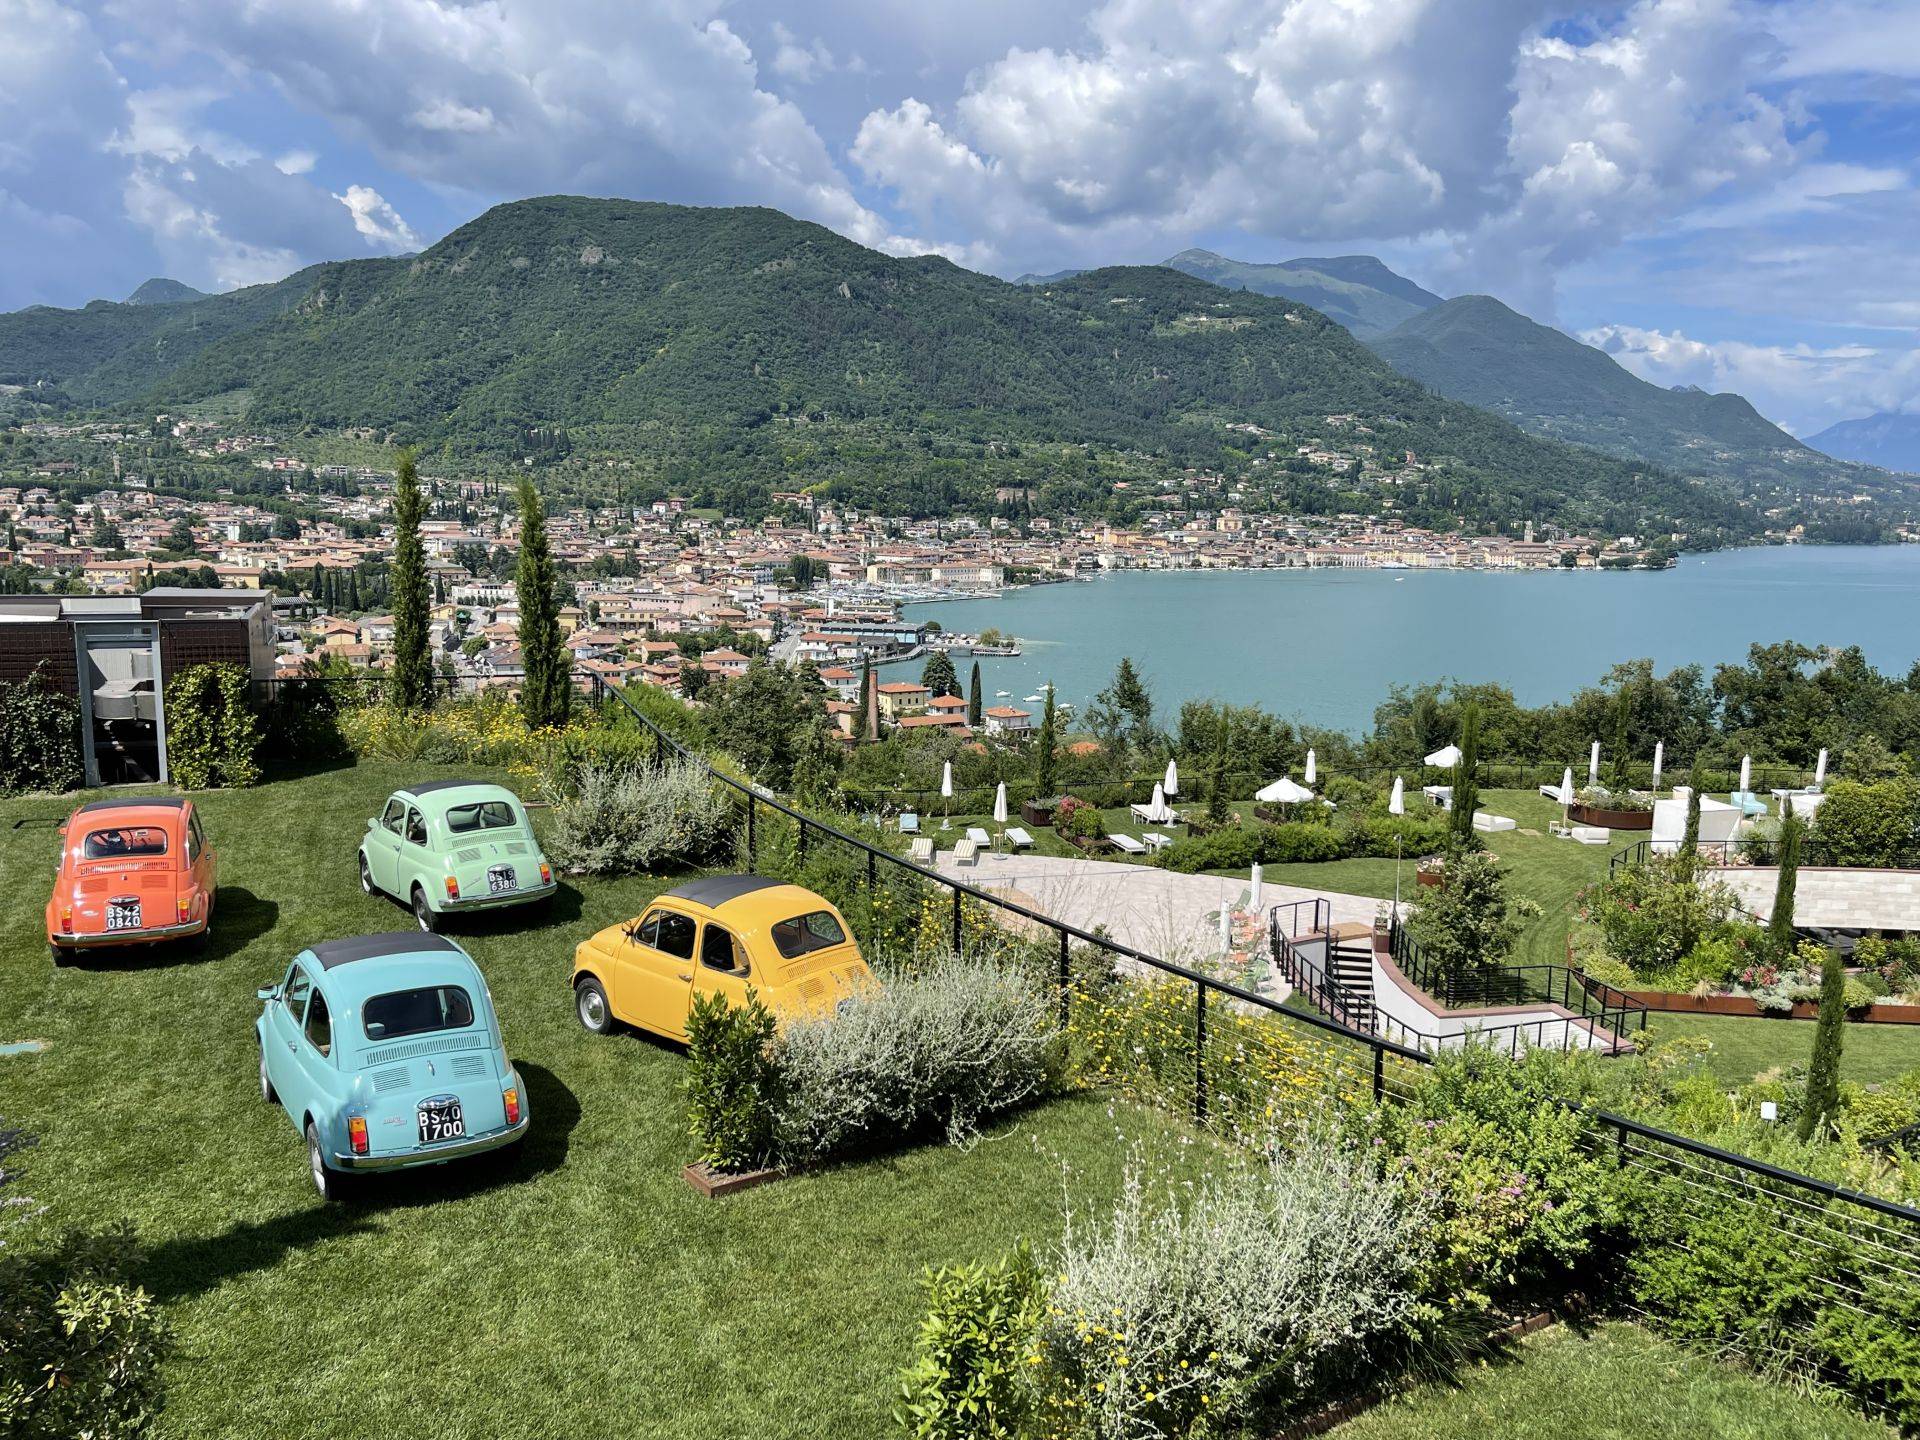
(1743, 1047)
(1616, 1382)
(580, 1289)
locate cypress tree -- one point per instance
(1466, 789)
(975, 705)
(1780, 923)
(412, 669)
(1823, 1070)
(1690, 842)
(1622, 714)
(1043, 773)
(547, 691)
(1217, 809)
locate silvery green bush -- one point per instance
(624, 819)
(1194, 1305)
(940, 1046)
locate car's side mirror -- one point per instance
(268, 992)
(372, 820)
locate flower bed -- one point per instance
(1581, 813)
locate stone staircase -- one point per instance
(1350, 966)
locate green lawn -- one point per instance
(1616, 1382)
(1742, 1047)
(579, 1289)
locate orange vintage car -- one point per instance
(725, 935)
(132, 872)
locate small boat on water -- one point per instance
(1002, 694)
(1033, 699)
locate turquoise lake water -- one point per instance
(1323, 646)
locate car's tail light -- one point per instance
(66, 918)
(512, 1097)
(546, 873)
(357, 1133)
(186, 907)
(453, 888)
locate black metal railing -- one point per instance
(1592, 1000)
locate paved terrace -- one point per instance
(1831, 898)
(1172, 916)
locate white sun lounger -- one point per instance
(1018, 839)
(921, 851)
(1492, 824)
(966, 853)
(1154, 840)
(1128, 844)
(980, 837)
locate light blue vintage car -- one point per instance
(448, 846)
(385, 1052)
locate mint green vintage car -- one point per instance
(449, 846)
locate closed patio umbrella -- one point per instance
(1566, 787)
(1820, 769)
(1659, 762)
(1157, 809)
(1746, 774)
(1226, 927)
(1000, 803)
(1308, 774)
(1593, 764)
(1397, 805)
(1172, 782)
(946, 789)
(1253, 892)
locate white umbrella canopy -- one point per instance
(1593, 764)
(1311, 772)
(1226, 928)
(1820, 769)
(1172, 782)
(1746, 774)
(1253, 893)
(1284, 792)
(1397, 802)
(1157, 808)
(1659, 762)
(1445, 757)
(1566, 786)
(946, 780)
(1000, 803)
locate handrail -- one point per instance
(1563, 985)
(1380, 1044)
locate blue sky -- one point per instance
(1718, 192)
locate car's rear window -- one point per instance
(481, 815)
(124, 840)
(416, 1012)
(805, 933)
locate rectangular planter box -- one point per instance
(1036, 812)
(1610, 819)
(713, 1183)
(1878, 1013)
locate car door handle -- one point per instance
(289, 1044)
(686, 977)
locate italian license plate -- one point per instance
(441, 1120)
(123, 915)
(500, 880)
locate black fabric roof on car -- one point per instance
(716, 890)
(371, 947)
(432, 785)
(171, 802)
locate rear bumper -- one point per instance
(436, 1154)
(144, 936)
(495, 902)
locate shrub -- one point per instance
(1654, 914)
(1077, 819)
(1231, 847)
(39, 737)
(1220, 1300)
(212, 729)
(1298, 841)
(625, 821)
(966, 1381)
(1875, 1347)
(1859, 824)
(1469, 923)
(733, 1087)
(80, 1343)
(941, 1047)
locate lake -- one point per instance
(1323, 646)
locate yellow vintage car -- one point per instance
(723, 934)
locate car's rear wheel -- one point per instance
(366, 874)
(267, 1092)
(590, 1004)
(423, 915)
(59, 953)
(330, 1183)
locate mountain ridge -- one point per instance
(1889, 440)
(1359, 291)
